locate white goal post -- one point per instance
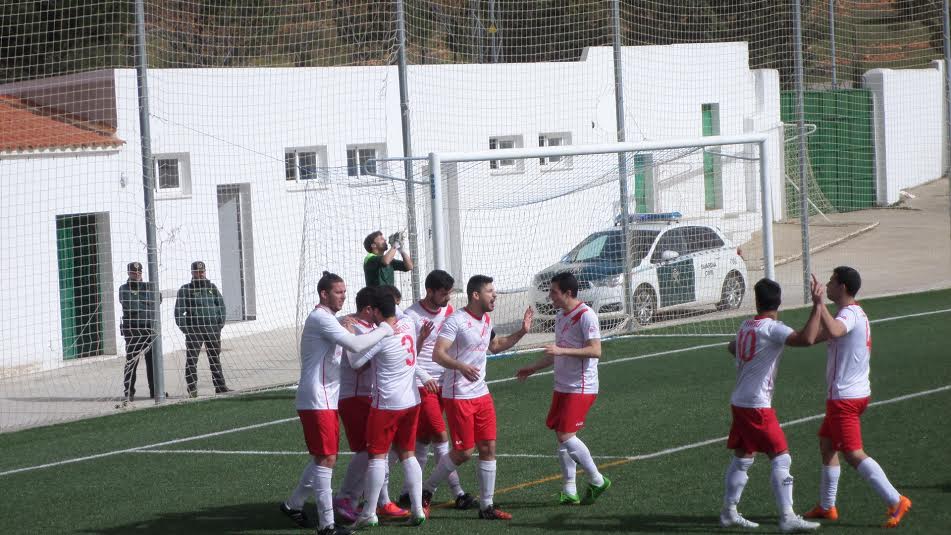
(760, 139)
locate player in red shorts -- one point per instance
(394, 410)
(575, 355)
(354, 407)
(849, 390)
(433, 310)
(758, 347)
(317, 395)
(461, 349)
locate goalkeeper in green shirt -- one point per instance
(380, 262)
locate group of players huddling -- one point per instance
(390, 375)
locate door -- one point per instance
(643, 183)
(712, 165)
(706, 249)
(675, 278)
(82, 252)
(237, 266)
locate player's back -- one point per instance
(573, 330)
(320, 361)
(759, 345)
(355, 383)
(470, 337)
(849, 356)
(424, 355)
(394, 368)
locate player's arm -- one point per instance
(831, 326)
(501, 343)
(358, 343)
(441, 357)
(591, 350)
(358, 360)
(731, 347)
(810, 332)
(536, 367)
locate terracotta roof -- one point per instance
(25, 128)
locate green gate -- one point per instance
(842, 148)
(79, 290)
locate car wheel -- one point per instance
(645, 306)
(733, 291)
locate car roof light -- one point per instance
(650, 218)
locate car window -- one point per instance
(672, 240)
(700, 239)
(709, 239)
(591, 248)
(607, 247)
(641, 241)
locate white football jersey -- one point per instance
(424, 356)
(847, 364)
(393, 361)
(759, 345)
(320, 361)
(470, 337)
(574, 329)
(355, 383)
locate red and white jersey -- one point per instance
(574, 329)
(759, 344)
(424, 356)
(847, 364)
(319, 384)
(355, 383)
(393, 361)
(470, 337)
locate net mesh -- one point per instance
(272, 124)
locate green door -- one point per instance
(80, 292)
(676, 281)
(642, 183)
(712, 188)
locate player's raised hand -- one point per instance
(527, 319)
(551, 350)
(349, 323)
(523, 373)
(424, 331)
(817, 290)
(469, 372)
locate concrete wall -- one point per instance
(909, 128)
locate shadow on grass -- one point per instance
(239, 518)
(630, 523)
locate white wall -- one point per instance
(909, 128)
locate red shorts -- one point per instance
(353, 413)
(387, 428)
(470, 421)
(321, 431)
(430, 414)
(756, 430)
(568, 411)
(841, 424)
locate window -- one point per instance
(559, 139)
(307, 163)
(361, 160)
(672, 240)
(712, 164)
(172, 175)
(505, 142)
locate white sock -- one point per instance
(440, 473)
(441, 449)
(876, 477)
(486, 483)
(324, 492)
(579, 452)
(569, 468)
(385, 489)
(422, 454)
(829, 486)
(355, 477)
(304, 487)
(735, 481)
(782, 483)
(376, 474)
(414, 479)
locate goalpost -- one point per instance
(531, 187)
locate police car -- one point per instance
(675, 265)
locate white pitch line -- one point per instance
(284, 420)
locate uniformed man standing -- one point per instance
(137, 298)
(200, 314)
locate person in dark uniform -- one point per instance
(200, 314)
(380, 263)
(137, 298)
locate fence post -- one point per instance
(622, 159)
(803, 182)
(407, 147)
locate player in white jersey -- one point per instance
(575, 355)
(758, 347)
(394, 409)
(433, 310)
(461, 348)
(354, 408)
(317, 394)
(849, 390)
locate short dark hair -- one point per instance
(439, 280)
(368, 241)
(850, 278)
(769, 295)
(327, 281)
(366, 297)
(386, 304)
(567, 283)
(392, 290)
(476, 283)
